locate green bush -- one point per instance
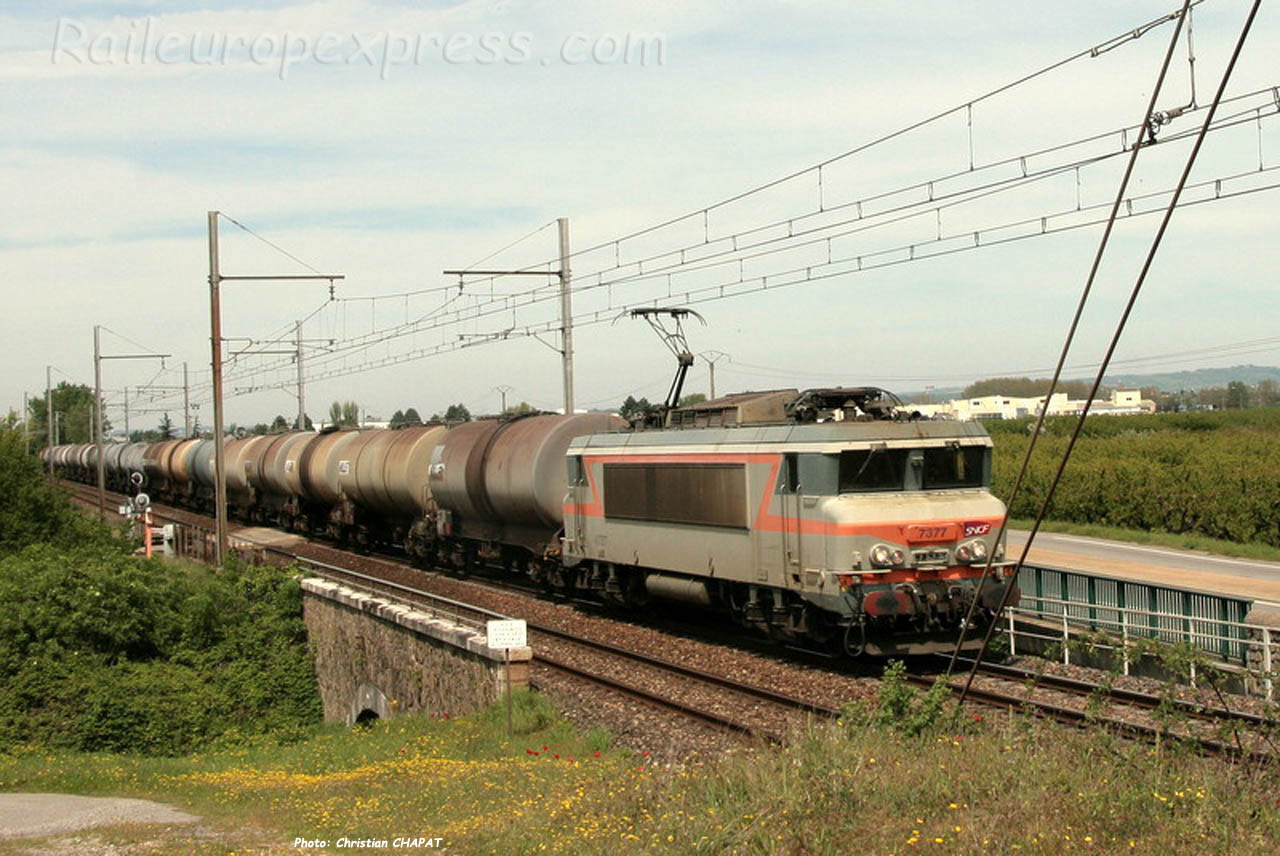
(103, 651)
(1212, 474)
(900, 707)
(32, 511)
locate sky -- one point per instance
(387, 142)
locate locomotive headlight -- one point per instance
(999, 551)
(964, 554)
(881, 556)
(899, 558)
(979, 551)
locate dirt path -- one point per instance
(42, 815)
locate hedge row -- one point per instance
(102, 651)
(1220, 479)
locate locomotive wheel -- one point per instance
(822, 629)
(464, 561)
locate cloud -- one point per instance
(390, 175)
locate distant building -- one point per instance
(1121, 402)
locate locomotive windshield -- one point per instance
(954, 467)
(864, 470)
(938, 468)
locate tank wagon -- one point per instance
(499, 488)
(828, 517)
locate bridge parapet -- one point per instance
(378, 658)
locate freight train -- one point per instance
(829, 518)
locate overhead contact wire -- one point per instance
(1124, 318)
(1145, 129)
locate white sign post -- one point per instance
(508, 634)
(512, 633)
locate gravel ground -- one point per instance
(633, 724)
(42, 815)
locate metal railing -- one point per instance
(1169, 614)
(1239, 645)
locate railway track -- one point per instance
(1145, 716)
(728, 705)
(740, 707)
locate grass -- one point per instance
(1215, 546)
(1019, 786)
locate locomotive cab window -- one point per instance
(954, 466)
(576, 472)
(877, 468)
(788, 474)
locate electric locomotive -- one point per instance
(829, 518)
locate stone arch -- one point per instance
(370, 703)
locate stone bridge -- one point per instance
(376, 658)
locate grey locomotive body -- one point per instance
(870, 534)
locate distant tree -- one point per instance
(1024, 387)
(519, 409)
(1237, 394)
(344, 413)
(1266, 393)
(691, 399)
(165, 428)
(411, 417)
(1166, 402)
(260, 428)
(1211, 396)
(457, 413)
(397, 419)
(279, 424)
(632, 408)
(72, 409)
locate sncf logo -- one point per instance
(974, 528)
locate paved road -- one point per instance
(1162, 565)
(1167, 557)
